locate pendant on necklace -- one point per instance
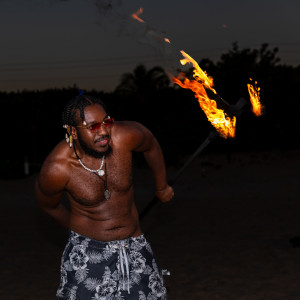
(100, 172)
(107, 194)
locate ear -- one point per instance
(73, 133)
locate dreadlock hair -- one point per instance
(80, 102)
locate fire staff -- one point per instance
(106, 256)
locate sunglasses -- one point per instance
(107, 123)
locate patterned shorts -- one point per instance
(116, 270)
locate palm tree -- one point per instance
(141, 82)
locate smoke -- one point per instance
(108, 6)
(115, 17)
(121, 20)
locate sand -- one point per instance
(224, 236)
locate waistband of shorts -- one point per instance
(100, 244)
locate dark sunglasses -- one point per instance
(107, 123)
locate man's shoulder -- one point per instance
(124, 130)
(129, 128)
(130, 134)
(55, 171)
(57, 162)
(127, 124)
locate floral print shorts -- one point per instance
(124, 269)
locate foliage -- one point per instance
(33, 126)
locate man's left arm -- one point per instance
(155, 160)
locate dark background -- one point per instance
(53, 48)
(32, 119)
(226, 234)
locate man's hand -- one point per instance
(166, 194)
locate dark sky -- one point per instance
(55, 43)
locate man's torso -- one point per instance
(91, 214)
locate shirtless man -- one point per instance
(107, 256)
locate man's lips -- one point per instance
(103, 141)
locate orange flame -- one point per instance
(217, 117)
(199, 75)
(136, 15)
(254, 92)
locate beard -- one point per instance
(92, 152)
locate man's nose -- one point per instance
(102, 130)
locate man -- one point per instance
(106, 256)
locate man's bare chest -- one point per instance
(87, 188)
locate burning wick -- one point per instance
(217, 117)
(224, 124)
(199, 75)
(136, 15)
(254, 92)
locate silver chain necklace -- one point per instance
(100, 172)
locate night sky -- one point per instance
(227, 233)
(48, 44)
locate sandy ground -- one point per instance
(224, 236)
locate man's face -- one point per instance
(94, 143)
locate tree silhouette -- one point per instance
(140, 83)
(232, 72)
(171, 113)
(279, 92)
(138, 91)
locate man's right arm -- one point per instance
(49, 187)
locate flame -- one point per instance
(199, 75)
(254, 92)
(136, 15)
(217, 117)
